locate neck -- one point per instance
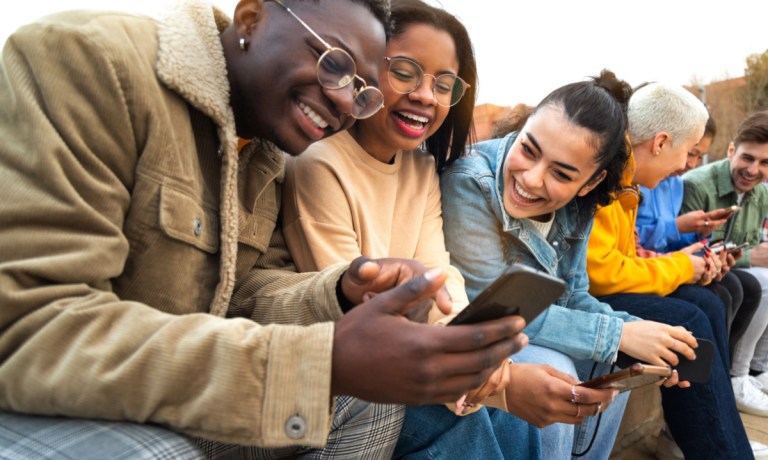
(383, 153)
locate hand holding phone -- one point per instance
(691, 370)
(723, 213)
(520, 290)
(635, 376)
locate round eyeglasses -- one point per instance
(336, 70)
(405, 76)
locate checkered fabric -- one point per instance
(359, 430)
(24, 437)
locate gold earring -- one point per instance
(658, 152)
(243, 44)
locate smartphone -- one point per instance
(729, 247)
(520, 290)
(736, 248)
(697, 370)
(693, 370)
(635, 376)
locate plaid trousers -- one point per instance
(24, 437)
(359, 430)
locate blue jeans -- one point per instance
(594, 437)
(703, 419)
(434, 432)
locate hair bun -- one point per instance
(619, 89)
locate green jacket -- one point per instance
(710, 187)
(123, 243)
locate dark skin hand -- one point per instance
(365, 278)
(381, 356)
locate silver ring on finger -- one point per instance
(706, 223)
(578, 410)
(574, 396)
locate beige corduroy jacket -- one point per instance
(121, 215)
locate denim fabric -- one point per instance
(434, 432)
(484, 240)
(595, 437)
(703, 419)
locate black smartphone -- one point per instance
(697, 370)
(694, 371)
(520, 290)
(636, 375)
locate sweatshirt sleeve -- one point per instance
(431, 249)
(614, 267)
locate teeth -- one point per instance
(523, 193)
(316, 119)
(414, 117)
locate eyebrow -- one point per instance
(559, 163)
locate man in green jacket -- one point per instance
(739, 180)
(139, 277)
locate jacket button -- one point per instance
(198, 227)
(554, 243)
(295, 427)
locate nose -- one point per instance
(690, 163)
(533, 178)
(423, 93)
(343, 100)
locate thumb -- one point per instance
(400, 299)
(362, 270)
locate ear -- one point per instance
(731, 151)
(660, 140)
(589, 186)
(247, 15)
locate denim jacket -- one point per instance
(483, 240)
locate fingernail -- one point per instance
(615, 393)
(694, 356)
(704, 242)
(433, 273)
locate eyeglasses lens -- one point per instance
(336, 69)
(405, 76)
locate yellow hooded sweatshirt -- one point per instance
(612, 262)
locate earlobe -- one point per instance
(659, 141)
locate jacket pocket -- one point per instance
(182, 218)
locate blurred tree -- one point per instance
(756, 75)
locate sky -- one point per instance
(525, 49)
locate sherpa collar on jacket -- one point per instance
(191, 62)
